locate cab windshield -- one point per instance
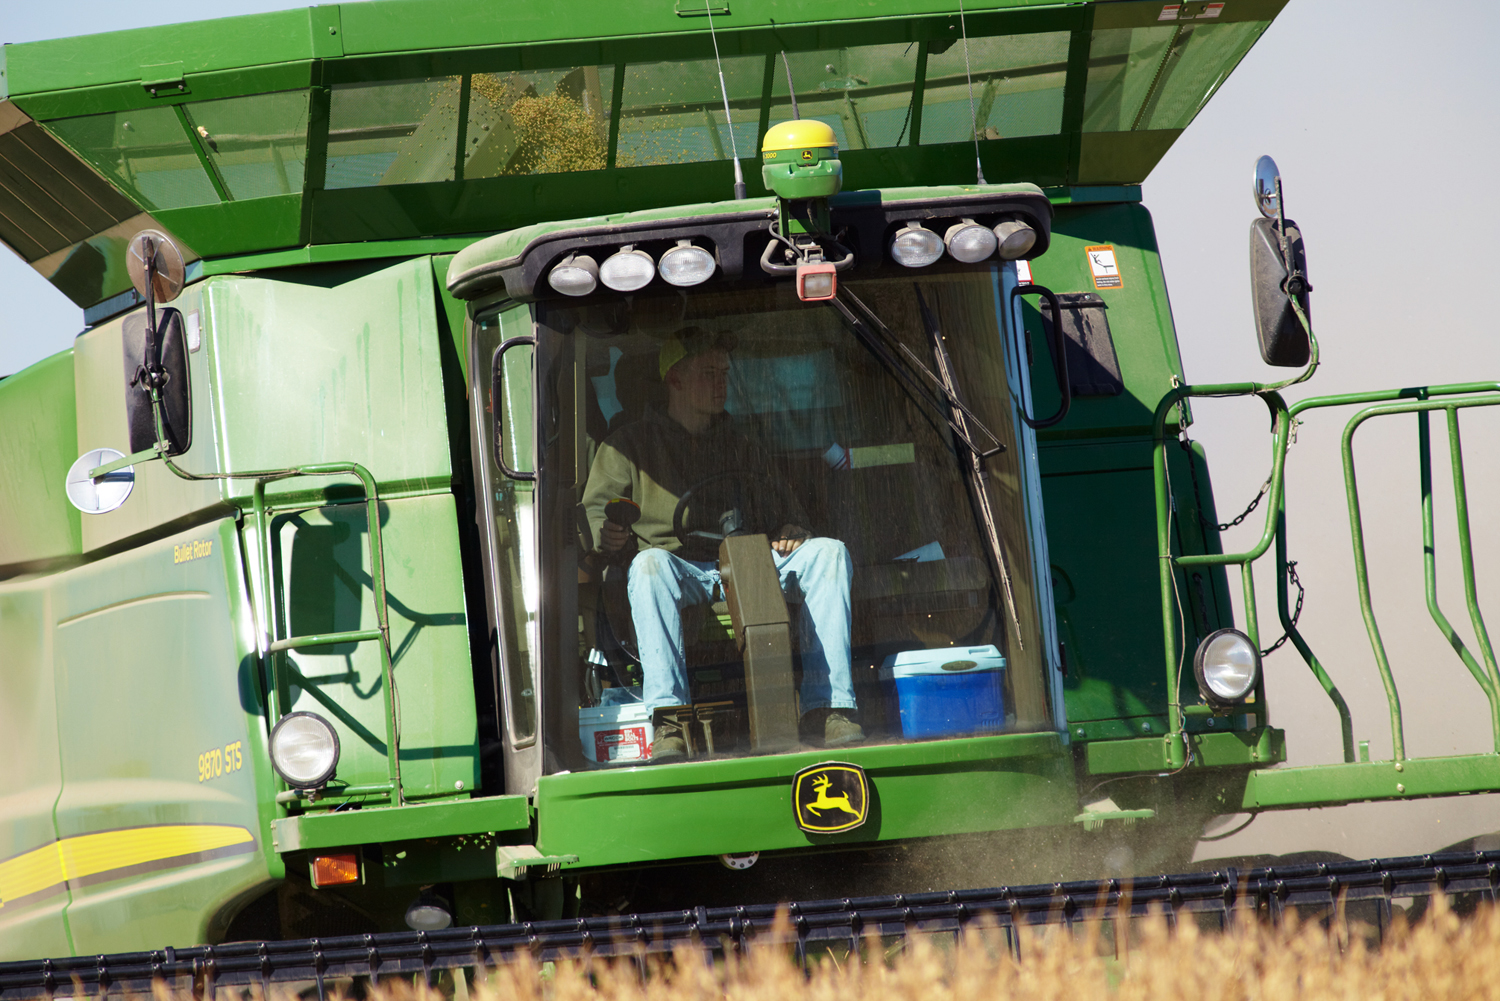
(755, 538)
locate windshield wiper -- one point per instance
(973, 464)
(903, 363)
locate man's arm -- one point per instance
(611, 475)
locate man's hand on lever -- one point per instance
(788, 539)
(612, 537)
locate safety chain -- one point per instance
(1291, 575)
(1264, 487)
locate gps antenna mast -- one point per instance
(739, 176)
(791, 90)
(968, 77)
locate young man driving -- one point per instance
(692, 448)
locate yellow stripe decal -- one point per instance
(93, 854)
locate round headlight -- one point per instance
(576, 274)
(915, 246)
(686, 265)
(304, 750)
(1227, 665)
(628, 270)
(1016, 239)
(969, 242)
(428, 912)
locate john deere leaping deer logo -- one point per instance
(830, 797)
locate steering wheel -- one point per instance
(746, 475)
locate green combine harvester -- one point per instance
(557, 461)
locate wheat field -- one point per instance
(1437, 958)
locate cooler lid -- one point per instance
(943, 660)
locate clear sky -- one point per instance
(1380, 116)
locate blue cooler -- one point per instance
(948, 692)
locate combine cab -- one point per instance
(342, 580)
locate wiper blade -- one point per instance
(903, 363)
(973, 465)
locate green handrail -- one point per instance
(1361, 571)
(273, 649)
(1379, 403)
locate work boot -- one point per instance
(839, 730)
(668, 745)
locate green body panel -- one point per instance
(426, 820)
(1097, 482)
(328, 365)
(38, 446)
(1257, 748)
(689, 810)
(31, 779)
(1290, 788)
(320, 561)
(130, 636)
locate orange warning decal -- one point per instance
(1104, 267)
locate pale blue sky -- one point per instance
(1381, 118)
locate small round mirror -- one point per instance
(105, 494)
(1267, 188)
(152, 244)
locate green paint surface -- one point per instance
(742, 805)
(321, 568)
(38, 445)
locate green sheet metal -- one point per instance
(744, 805)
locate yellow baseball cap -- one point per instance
(689, 342)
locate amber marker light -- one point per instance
(816, 282)
(335, 870)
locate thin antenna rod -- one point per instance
(790, 88)
(734, 150)
(974, 124)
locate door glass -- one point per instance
(508, 514)
(750, 414)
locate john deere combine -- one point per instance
(425, 337)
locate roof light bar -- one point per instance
(576, 274)
(686, 265)
(915, 246)
(628, 270)
(969, 242)
(1016, 239)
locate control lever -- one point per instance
(624, 512)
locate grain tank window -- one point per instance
(1018, 88)
(864, 92)
(672, 112)
(145, 152)
(257, 144)
(1158, 77)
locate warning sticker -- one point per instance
(1103, 267)
(1023, 272)
(1169, 12)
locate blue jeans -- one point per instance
(662, 585)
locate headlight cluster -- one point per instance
(966, 241)
(1227, 666)
(631, 269)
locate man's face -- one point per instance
(701, 383)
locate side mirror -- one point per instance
(1278, 275)
(155, 347)
(171, 365)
